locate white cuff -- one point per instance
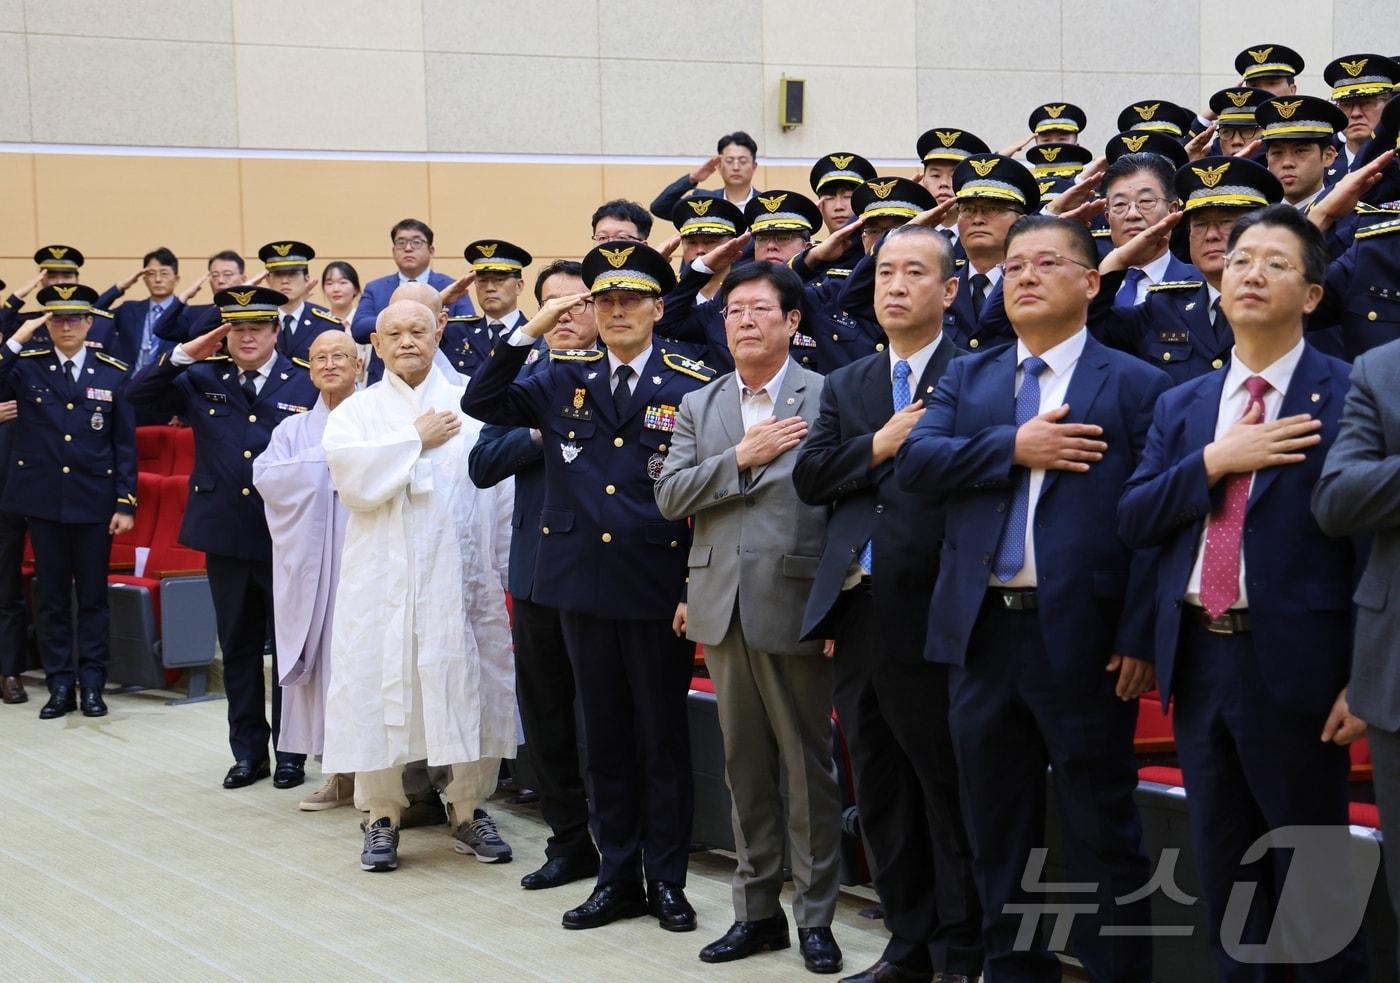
(519, 339)
(181, 357)
(699, 266)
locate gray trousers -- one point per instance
(1385, 764)
(775, 710)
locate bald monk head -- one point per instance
(335, 364)
(424, 294)
(406, 336)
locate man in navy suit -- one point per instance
(413, 255)
(1253, 613)
(133, 336)
(544, 680)
(1140, 192)
(1036, 609)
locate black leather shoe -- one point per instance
(61, 701)
(820, 953)
(557, 871)
(607, 904)
(883, 972)
(244, 773)
(289, 774)
(13, 690)
(745, 938)
(668, 905)
(92, 703)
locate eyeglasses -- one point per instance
(756, 311)
(333, 358)
(1361, 102)
(971, 208)
(1145, 204)
(1245, 133)
(737, 161)
(418, 243)
(1274, 266)
(617, 237)
(1043, 264)
(1200, 226)
(578, 308)
(623, 300)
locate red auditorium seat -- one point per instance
(1154, 729)
(182, 439)
(147, 518)
(155, 450)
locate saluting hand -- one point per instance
(130, 281)
(830, 249)
(550, 312)
(889, 437)
(29, 287)
(27, 329)
(722, 256)
(768, 439)
(1045, 444)
(704, 170)
(1250, 445)
(669, 247)
(1197, 146)
(1077, 202)
(206, 344)
(936, 215)
(1342, 199)
(1143, 247)
(121, 523)
(436, 428)
(258, 280)
(457, 289)
(1012, 149)
(189, 294)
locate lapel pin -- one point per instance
(1316, 397)
(224, 377)
(284, 376)
(929, 389)
(791, 400)
(656, 380)
(593, 375)
(1191, 306)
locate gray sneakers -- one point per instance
(381, 850)
(480, 838)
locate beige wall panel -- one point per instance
(111, 81)
(1103, 96)
(1133, 36)
(124, 206)
(184, 20)
(836, 32)
(681, 30)
(654, 107)
(1360, 26)
(17, 235)
(545, 27)
(507, 104)
(953, 34)
(641, 183)
(379, 25)
(787, 178)
(872, 111)
(12, 16)
(543, 208)
(14, 83)
(340, 208)
(1303, 25)
(348, 100)
(959, 99)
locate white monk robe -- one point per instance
(421, 657)
(307, 524)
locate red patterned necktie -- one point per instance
(1220, 570)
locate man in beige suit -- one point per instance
(756, 549)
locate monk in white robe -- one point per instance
(420, 646)
(307, 523)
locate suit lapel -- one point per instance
(1203, 412)
(794, 388)
(878, 392)
(1086, 380)
(1309, 391)
(277, 376)
(727, 407)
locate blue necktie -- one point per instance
(143, 357)
(1011, 553)
(1127, 293)
(901, 400)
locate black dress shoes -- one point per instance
(620, 899)
(12, 690)
(745, 938)
(289, 774)
(667, 904)
(244, 773)
(61, 701)
(820, 953)
(557, 871)
(92, 703)
(884, 972)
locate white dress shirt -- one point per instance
(1233, 400)
(79, 357)
(181, 357)
(918, 363)
(638, 364)
(1054, 386)
(1153, 273)
(295, 314)
(420, 278)
(757, 404)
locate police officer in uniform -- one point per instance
(233, 401)
(1299, 134)
(615, 568)
(1236, 127)
(58, 265)
(1361, 84)
(499, 267)
(941, 149)
(1157, 116)
(1057, 122)
(74, 480)
(834, 178)
(14, 610)
(288, 265)
(1272, 67)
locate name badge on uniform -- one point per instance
(1173, 337)
(291, 407)
(102, 395)
(577, 411)
(98, 421)
(216, 397)
(800, 340)
(661, 417)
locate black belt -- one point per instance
(1229, 623)
(1013, 598)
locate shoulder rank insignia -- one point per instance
(1176, 285)
(574, 354)
(99, 312)
(116, 363)
(302, 362)
(690, 367)
(464, 318)
(34, 351)
(1379, 229)
(217, 358)
(327, 315)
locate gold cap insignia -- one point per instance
(1210, 176)
(700, 205)
(242, 297)
(1287, 109)
(1261, 55)
(1134, 144)
(1238, 98)
(65, 293)
(983, 167)
(882, 189)
(772, 202)
(281, 248)
(1050, 153)
(947, 137)
(616, 257)
(1046, 186)
(487, 249)
(1147, 112)
(842, 161)
(1353, 68)
(58, 252)
(1053, 111)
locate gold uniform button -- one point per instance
(66, 469)
(611, 489)
(70, 406)
(247, 453)
(544, 530)
(247, 491)
(40, 399)
(661, 448)
(674, 544)
(571, 435)
(973, 343)
(68, 438)
(607, 537)
(880, 347)
(1166, 356)
(1218, 363)
(617, 441)
(252, 417)
(211, 412)
(1371, 316)
(836, 337)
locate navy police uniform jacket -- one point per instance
(605, 549)
(73, 452)
(1362, 291)
(467, 340)
(224, 514)
(314, 320)
(1172, 328)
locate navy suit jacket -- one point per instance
(1299, 580)
(991, 330)
(183, 323)
(1094, 594)
(376, 297)
(129, 324)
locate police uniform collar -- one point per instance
(509, 321)
(295, 313)
(79, 358)
(638, 365)
(1156, 271)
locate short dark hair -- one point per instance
(624, 211)
(163, 256)
(738, 139)
(780, 275)
(567, 267)
(1321, 143)
(1081, 241)
(947, 264)
(1130, 164)
(227, 256)
(413, 225)
(1283, 216)
(344, 269)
